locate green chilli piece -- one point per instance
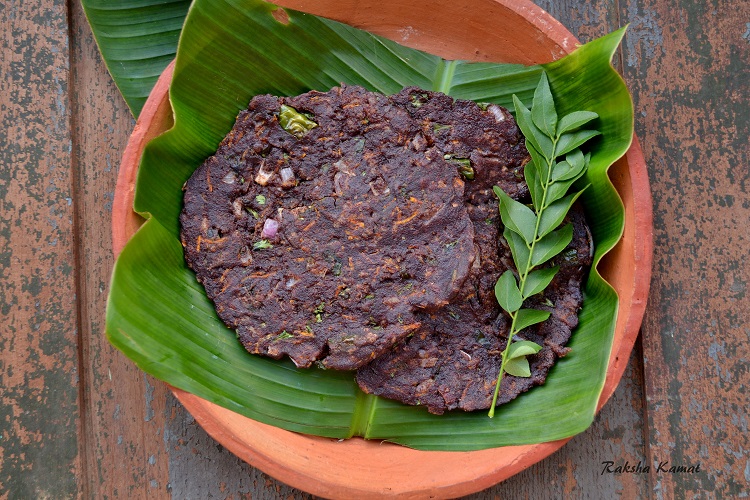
(295, 122)
(463, 165)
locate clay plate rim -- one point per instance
(341, 469)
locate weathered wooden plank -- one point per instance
(38, 331)
(123, 417)
(688, 65)
(586, 19)
(199, 467)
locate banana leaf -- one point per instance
(137, 39)
(159, 316)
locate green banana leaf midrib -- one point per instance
(443, 80)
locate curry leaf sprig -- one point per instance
(533, 233)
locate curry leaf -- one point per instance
(507, 293)
(543, 108)
(536, 190)
(568, 142)
(555, 213)
(526, 318)
(540, 163)
(516, 363)
(537, 281)
(516, 216)
(576, 159)
(518, 367)
(564, 171)
(558, 190)
(549, 181)
(551, 245)
(538, 140)
(574, 120)
(518, 249)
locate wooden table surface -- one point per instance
(78, 419)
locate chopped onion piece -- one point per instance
(339, 183)
(291, 282)
(246, 257)
(497, 112)
(419, 143)
(230, 178)
(287, 177)
(270, 229)
(263, 175)
(343, 166)
(237, 206)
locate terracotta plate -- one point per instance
(482, 30)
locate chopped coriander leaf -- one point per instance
(262, 245)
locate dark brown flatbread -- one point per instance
(372, 228)
(489, 138)
(453, 360)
